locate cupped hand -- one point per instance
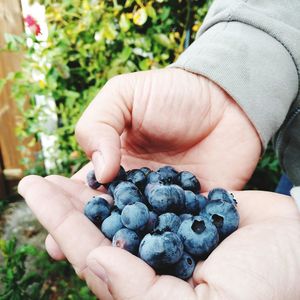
(169, 117)
(258, 261)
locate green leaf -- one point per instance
(128, 3)
(124, 23)
(109, 31)
(125, 54)
(151, 11)
(163, 40)
(2, 83)
(144, 64)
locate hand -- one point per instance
(258, 261)
(169, 117)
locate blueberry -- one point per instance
(138, 178)
(121, 175)
(126, 239)
(149, 187)
(168, 222)
(111, 225)
(188, 181)
(223, 215)
(91, 180)
(115, 209)
(167, 174)
(202, 201)
(152, 222)
(184, 268)
(126, 193)
(166, 198)
(199, 236)
(158, 250)
(184, 217)
(111, 186)
(135, 216)
(153, 177)
(97, 209)
(221, 194)
(192, 205)
(146, 170)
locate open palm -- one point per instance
(258, 261)
(169, 116)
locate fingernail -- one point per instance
(98, 270)
(98, 162)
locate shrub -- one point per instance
(88, 43)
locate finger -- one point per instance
(96, 285)
(129, 277)
(81, 174)
(74, 189)
(75, 234)
(79, 193)
(53, 248)
(99, 128)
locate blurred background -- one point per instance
(54, 58)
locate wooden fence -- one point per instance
(10, 168)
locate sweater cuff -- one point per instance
(254, 68)
(295, 193)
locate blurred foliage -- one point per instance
(90, 41)
(267, 173)
(44, 279)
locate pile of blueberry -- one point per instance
(161, 217)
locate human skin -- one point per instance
(258, 261)
(154, 118)
(169, 117)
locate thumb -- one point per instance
(129, 277)
(99, 128)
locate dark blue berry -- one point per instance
(146, 170)
(166, 198)
(97, 209)
(192, 205)
(188, 181)
(126, 193)
(138, 178)
(168, 222)
(199, 236)
(167, 174)
(184, 217)
(152, 222)
(126, 239)
(153, 178)
(111, 187)
(161, 249)
(223, 215)
(184, 268)
(202, 201)
(92, 181)
(148, 188)
(121, 175)
(135, 216)
(111, 225)
(221, 194)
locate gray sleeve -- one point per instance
(295, 193)
(251, 48)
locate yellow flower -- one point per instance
(140, 17)
(196, 27)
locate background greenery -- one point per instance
(89, 42)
